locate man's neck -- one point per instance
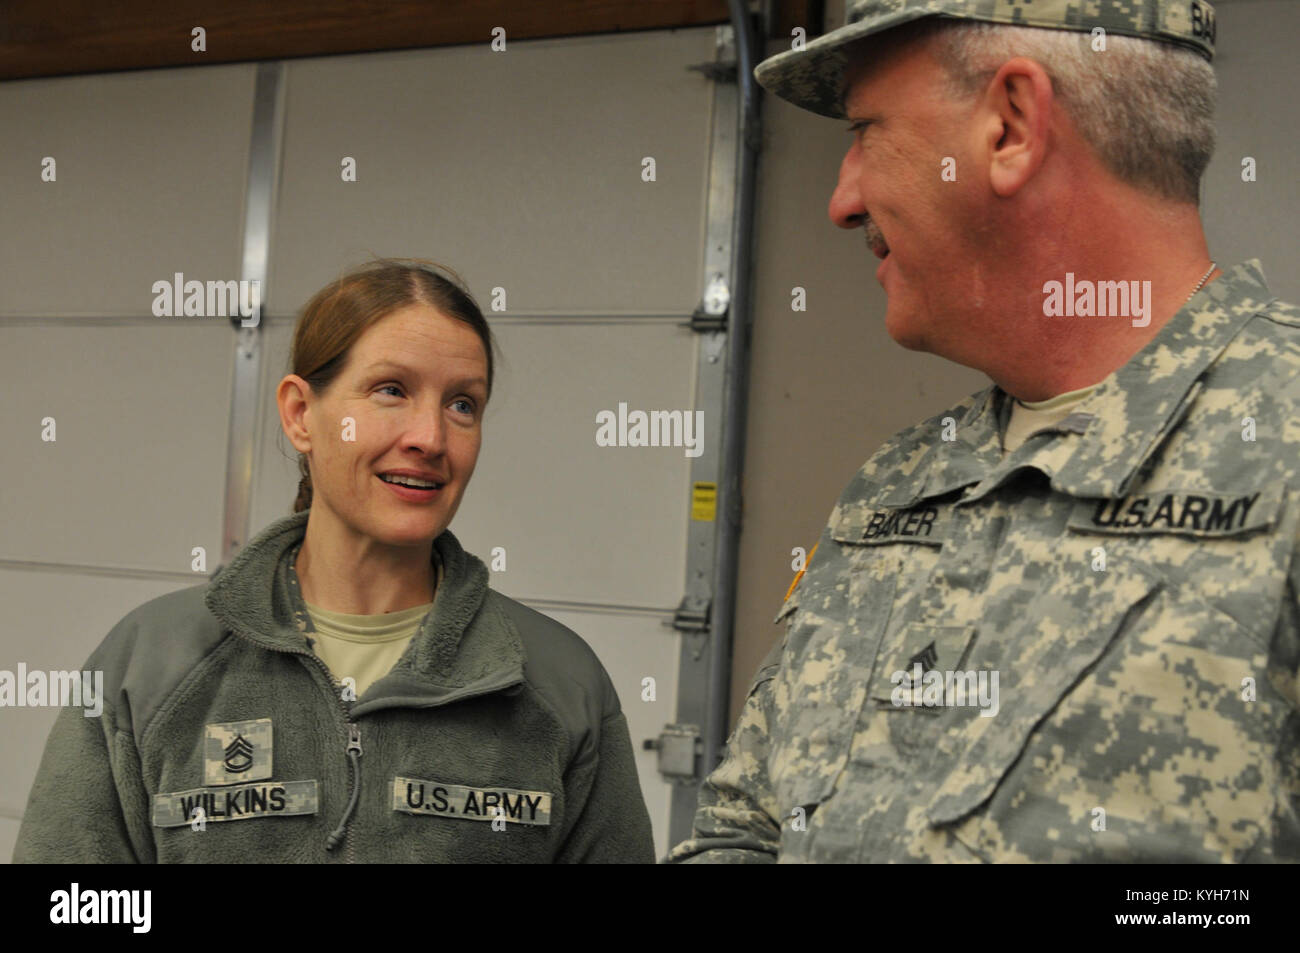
(1081, 359)
(1079, 344)
(1067, 324)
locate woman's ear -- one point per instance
(1016, 120)
(293, 398)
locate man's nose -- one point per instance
(846, 209)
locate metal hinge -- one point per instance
(691, 616)
(714, 309)
(678, 747)
(720, 71)
(703, 322)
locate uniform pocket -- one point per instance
(904, 675)
(917, 680)
(1163, 751)
(1035, 673)
(1136, 717)
(845, 602)
(822, 684)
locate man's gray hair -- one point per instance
(1145, 107)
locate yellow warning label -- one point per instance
(704, 502)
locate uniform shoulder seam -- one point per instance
(147, 673)
(1281, 312)
(551, 676)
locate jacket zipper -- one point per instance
(343, 833)
(354, 764)
(353, 750)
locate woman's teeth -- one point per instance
(414, 482)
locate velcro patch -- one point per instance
(237, 751)
(923, 648)
(239, 803)
(440, 799)
(1188, 512)
(925, 523)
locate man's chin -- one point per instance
(906, 331)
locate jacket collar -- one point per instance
(465, 645)
(1120, 424)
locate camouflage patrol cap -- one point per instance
(812, 78)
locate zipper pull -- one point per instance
(354, 744)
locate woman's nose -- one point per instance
(429, 433)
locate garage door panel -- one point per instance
(513, 168)
(135, 476)
(150, 170)
(580, 521)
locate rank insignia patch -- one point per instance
(237, 751)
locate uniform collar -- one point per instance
(1118, 426)
(465, 645)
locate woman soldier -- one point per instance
(348, 688)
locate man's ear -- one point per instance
(1016, 112)
(291, 397)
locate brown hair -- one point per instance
(337, 315)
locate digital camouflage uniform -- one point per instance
(1131, 574)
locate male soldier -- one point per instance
(1058, 621)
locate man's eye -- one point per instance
(392, 387)
(467, 406)
(858, 125)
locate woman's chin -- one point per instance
(414, 532)
(404, 529)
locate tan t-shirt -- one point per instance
(365, 647)
(1029, 418)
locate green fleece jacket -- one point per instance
(497, 737)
